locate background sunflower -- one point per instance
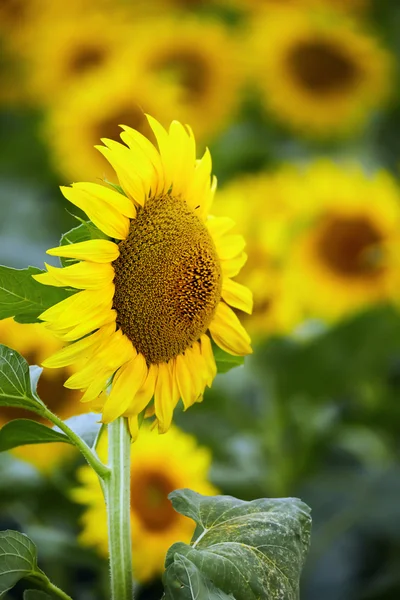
(298, 102)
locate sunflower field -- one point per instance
(200, 299)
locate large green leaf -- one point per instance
(15, 382)
(24, 298)
(185, 581)
(84, 232)
(252, 550)
(21, 432)
(18, 560)
(225, 362)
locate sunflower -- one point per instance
(35, 343)
(76, 122)
(63, 52)
(159, 465)
(265, 206)
(318, 72)
(346, 254)
(204, 77)
(151, 299)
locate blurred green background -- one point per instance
(298, 102)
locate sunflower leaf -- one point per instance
(18, 560)
(251, 550)
(82, 233)
(20, 432)
(24, 298)
(185, 581)
(15, 382)
(224, 361)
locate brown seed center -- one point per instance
(167, 279)
(87, 58)
(351, 246)
(322, 68)
(149, 501)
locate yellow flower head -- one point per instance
(35, 343)
(200, 65)
(318, 72)
(266, 208)
(346, 254)
(159, 465)
(76, 122)
(71, 49)
(153, 295)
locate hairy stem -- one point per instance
(101, 469)
(117, 492)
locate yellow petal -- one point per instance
(98, 251)
(104, 215)
(218, 226)
(127, 381)
(228, 333)
(83, 275)
(165, 150)
(145, 393)
(133, 427)
(199, 186)
(164, 397)
(237, 295)
(183, 159)
(196, 370)
(123, 163)
(208, 354)
(184, 381)
(80, 308)
(80, 350)
(229, 246)
(142, 147)
(232, 266)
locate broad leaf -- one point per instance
(24, 298)
(18, 559)
(225, 362)
(84, 232)
(15, 382)
(184, 581)
(36, 595)
(21, 432)
(86, 426)
(252, 550)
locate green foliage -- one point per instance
(15, 382)
(224, 361)
(185, 581)
(253, 550)
(18, 560)
(20, 432)
(84, 232)
(24, 298)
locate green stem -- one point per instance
(45, 584)
(101, 469)
(117, 491)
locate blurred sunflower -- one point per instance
(306, 4)
(159, 465)
(318, 72)
(346, 254)
(150, 301)
(263, 205)
(76, 122)
(35, 343)
(61, 52)
(204, 77)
